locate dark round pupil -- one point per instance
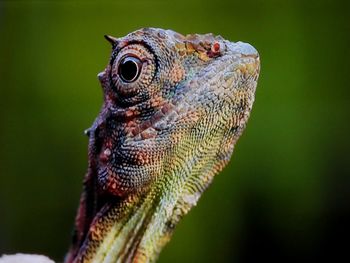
(129, 69)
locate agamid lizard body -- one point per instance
(174, 107)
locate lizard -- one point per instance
(173, 108)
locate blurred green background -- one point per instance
(285, 196)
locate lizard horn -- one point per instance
(111, 40)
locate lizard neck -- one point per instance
(136, 228)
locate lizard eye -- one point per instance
(132, 72)
(129, 68)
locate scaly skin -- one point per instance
(159, 139)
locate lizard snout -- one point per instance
(244, 49)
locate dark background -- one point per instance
(284, 197)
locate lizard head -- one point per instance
(172, 104)
(173, 108)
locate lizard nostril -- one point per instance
(216, 47)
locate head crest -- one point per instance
(111, 40)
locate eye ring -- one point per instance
(129, 68)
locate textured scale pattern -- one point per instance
(159, 139)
